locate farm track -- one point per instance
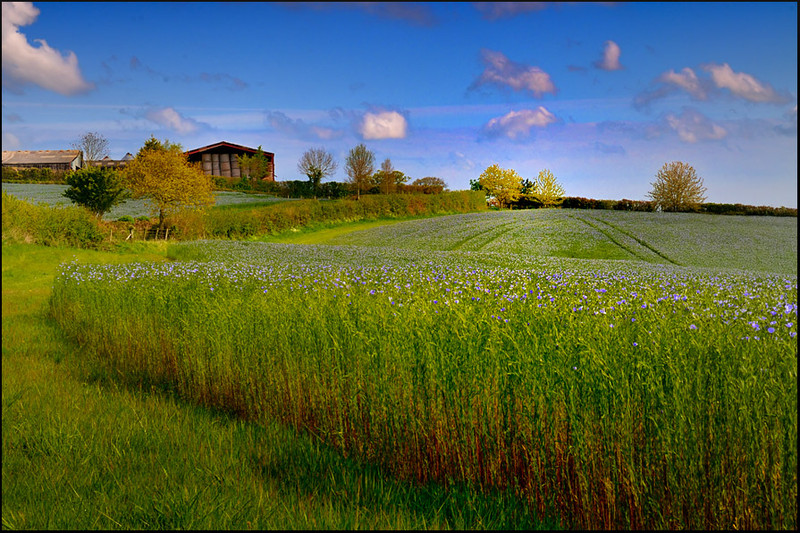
(603, 227)
(640, 241)
(460, 244)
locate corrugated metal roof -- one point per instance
(33, 157)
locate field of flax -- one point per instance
(606, 393)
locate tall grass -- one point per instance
(82, 451)
(629, 397)
(51, 226)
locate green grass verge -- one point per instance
(82, 452)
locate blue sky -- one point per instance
(601, 94)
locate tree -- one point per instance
(360, 165)
(162, 173)
(385, 178)
(548, 190)
(93, 146)
(317, 164)
(677, 188)
(527, 196)
(95, 188)
(503, 185)
(256, 166)
(430, 185)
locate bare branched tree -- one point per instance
(386, 176)
(360, 165)
(677, 188)
(93, 146)
(317, 164)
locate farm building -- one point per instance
(220, 159)
(107, 162)
(52, 159)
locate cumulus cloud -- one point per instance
(739, 84)
(692, 126)
(742, 85)
(687, 81)
(383, 125)
(610, 59)
(172, 120)
(518, 124)
(503, 72)
(38, 65)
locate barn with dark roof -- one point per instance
(219, 159)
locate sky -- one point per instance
(601, 94)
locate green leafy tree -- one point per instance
(256, 166)
(316, 164)
(504, 185)
(548, 190)
(95, 188)
(430, 185)
(677, 188)
(162, 173)
(360, 165)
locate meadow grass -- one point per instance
(81, 450)
(615, 393)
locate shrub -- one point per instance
(95, 188)
(50, 226)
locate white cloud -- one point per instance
(687, 80)
(741, 84)
(517, 124)
(610, 60)
(171, 119)
(42, 65)
(502, 71)
(383, 125)
(692, 127)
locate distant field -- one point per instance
(765, 244)
(52, 195)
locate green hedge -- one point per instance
(576, 202)
(33, 175)
(239, 223)
(50, 226)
